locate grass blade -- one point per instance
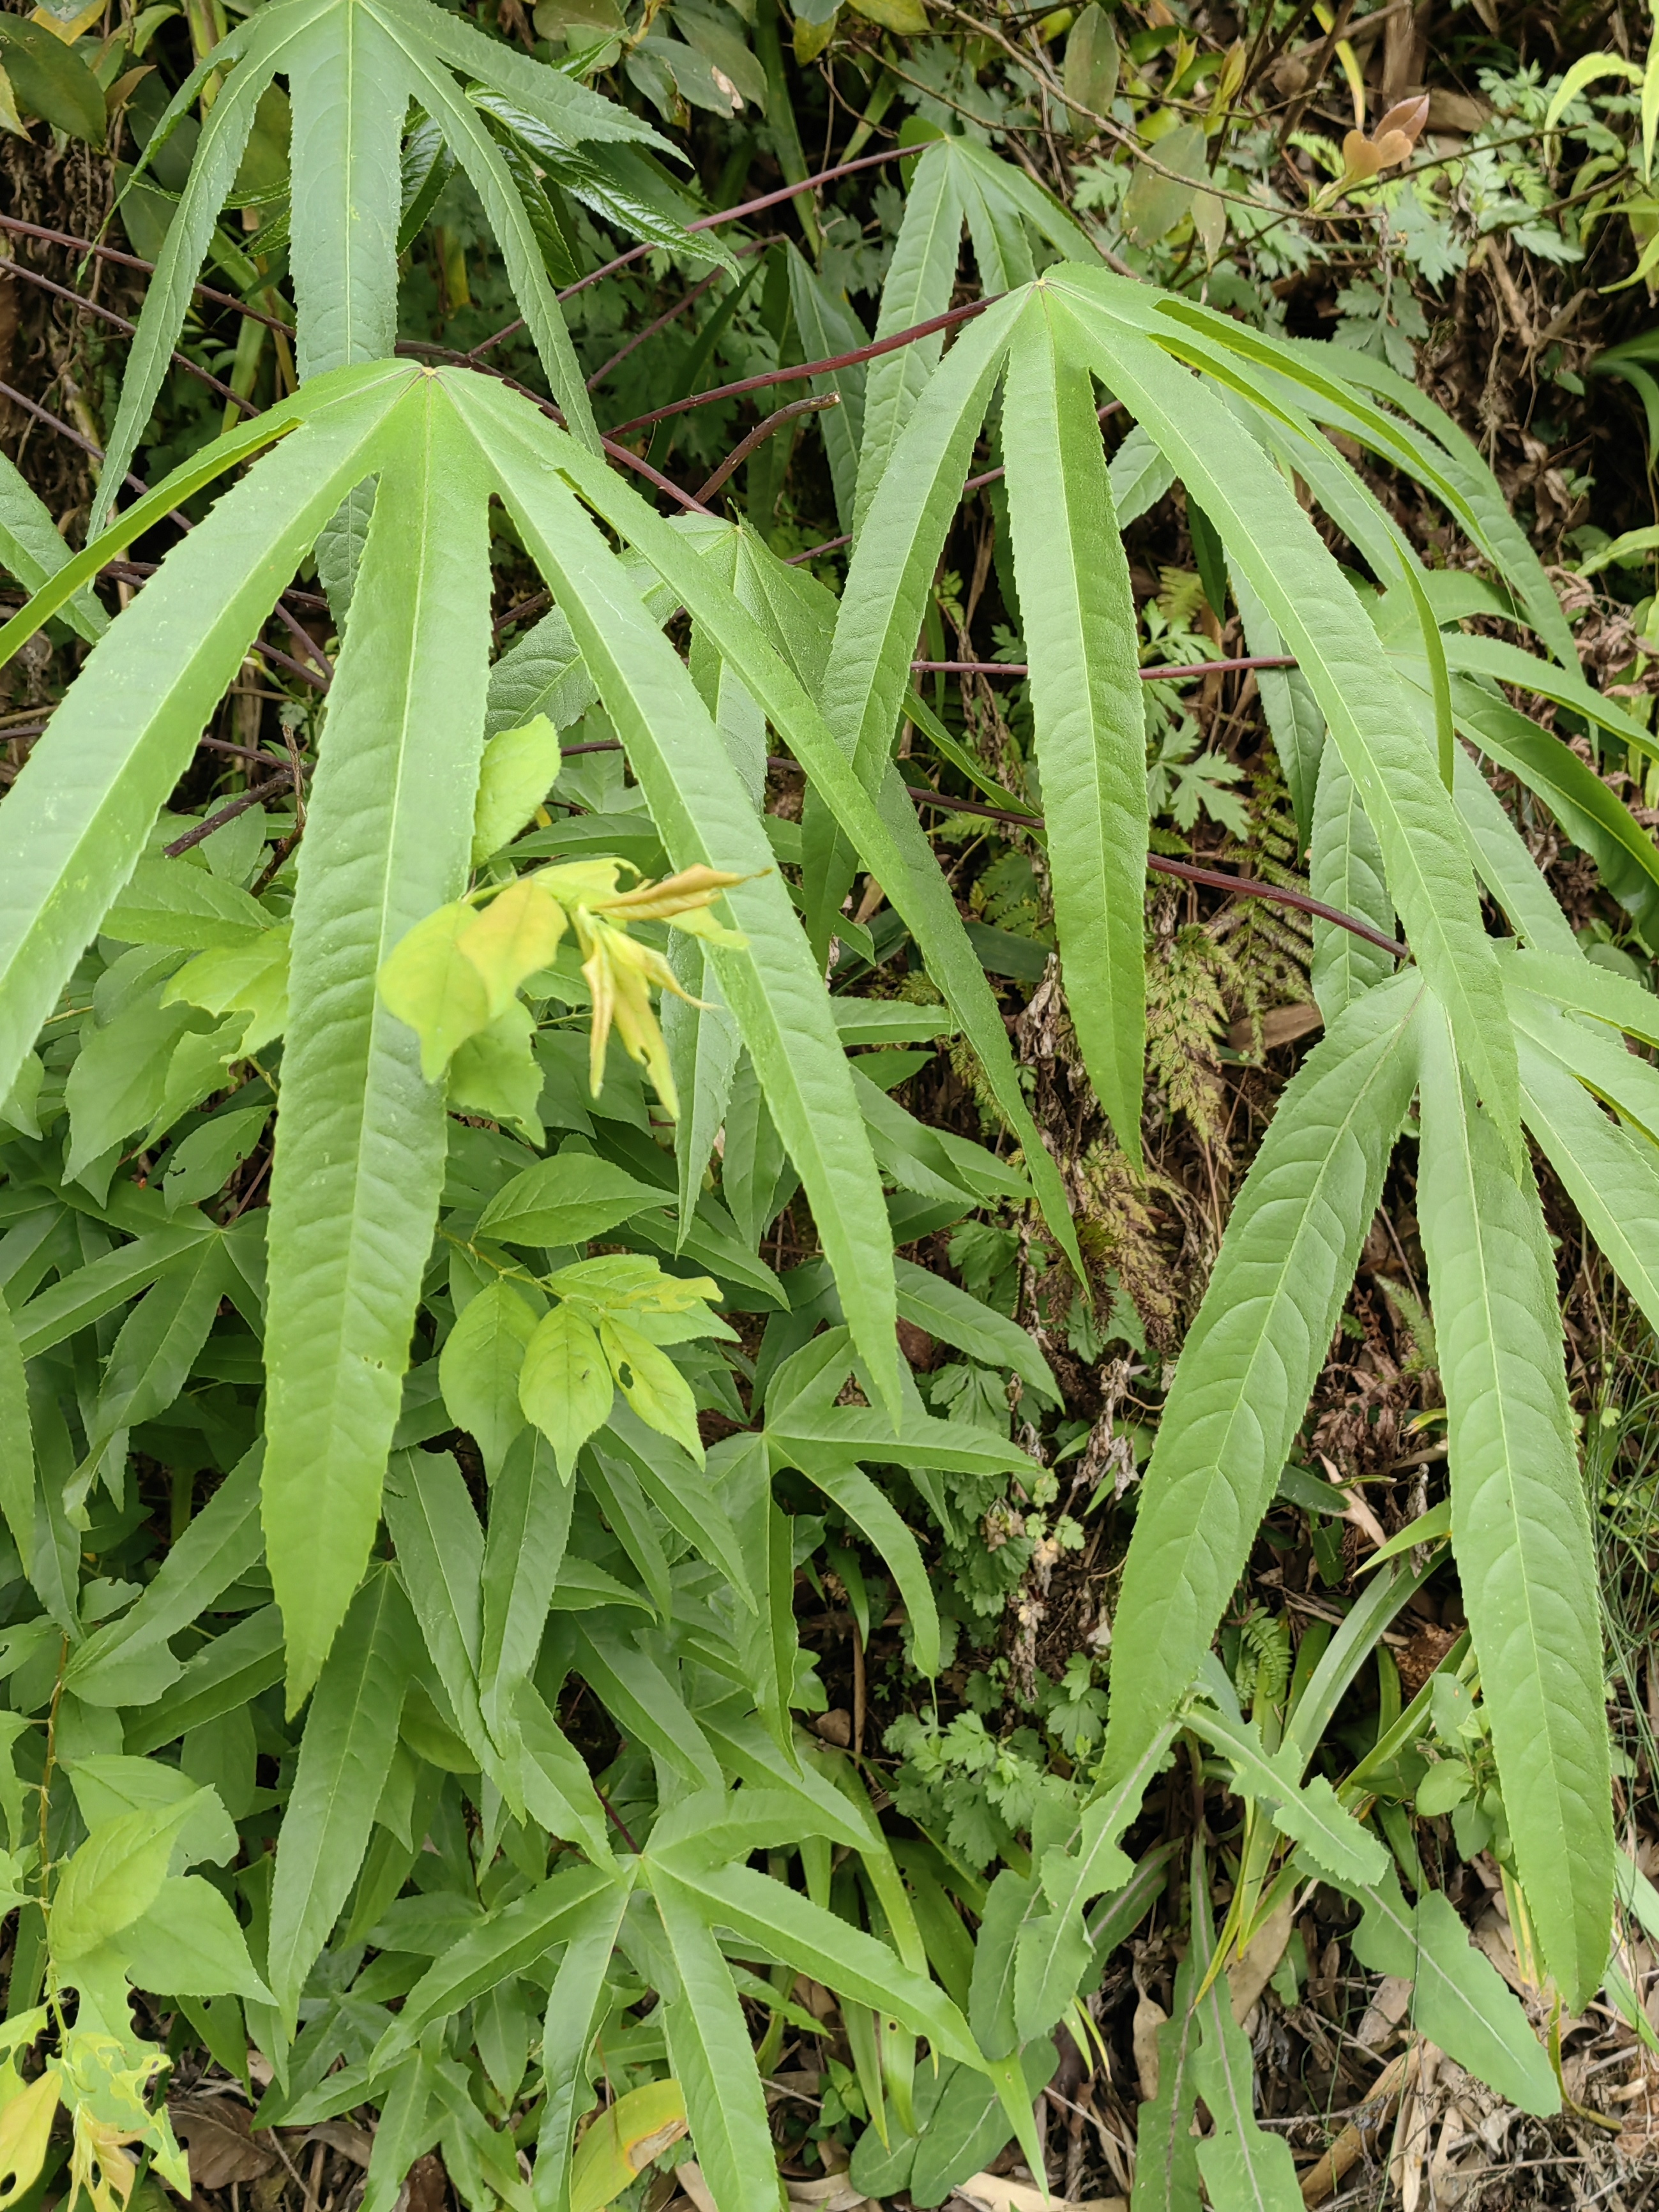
(1079, 617)
(1520, 1528)
(1248, 1368)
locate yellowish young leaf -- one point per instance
(428, 982)
(516, 934)
(564, 1385)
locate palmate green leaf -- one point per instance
(1611, 1177)
(353, 1202)
(352, 65)
(1593, 816)
(16, 1441)
(1459, 461)
(1078, 615)
(349, 88)
(1306, 1811)
(32, 550)
(574, 2012)
(223, 1542)
(1166, 2148)
(523, 1549)
(710, 2057)
(1368, 713)
(1245, 2169)
(1293, 712)
(258, 47)
(788, 1925)
(1520, 1528)
(1459, 2000)
(74, 823)
(1248, 1365)
(504, 1943)
(704, 815)
(345, 1754)
(1345, 870)
(920, 279)
(887, 833)
(1506, 867)
(867, 1509)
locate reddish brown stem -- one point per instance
(204, 830)
(1160, 864)
(709, 223)
(878, 346)
(1168, 672)
(147, 268)
(758, 437)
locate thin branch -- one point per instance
(65, 430)
(203, 830)
(689, 299)
(1221, 879)
(522, 611)
(1170, 671)
(707, 223)
(318, 681)
(995, 476)
(828, 545)
(108, 314)
(145, 267)
(878, 346)
(761, 432)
